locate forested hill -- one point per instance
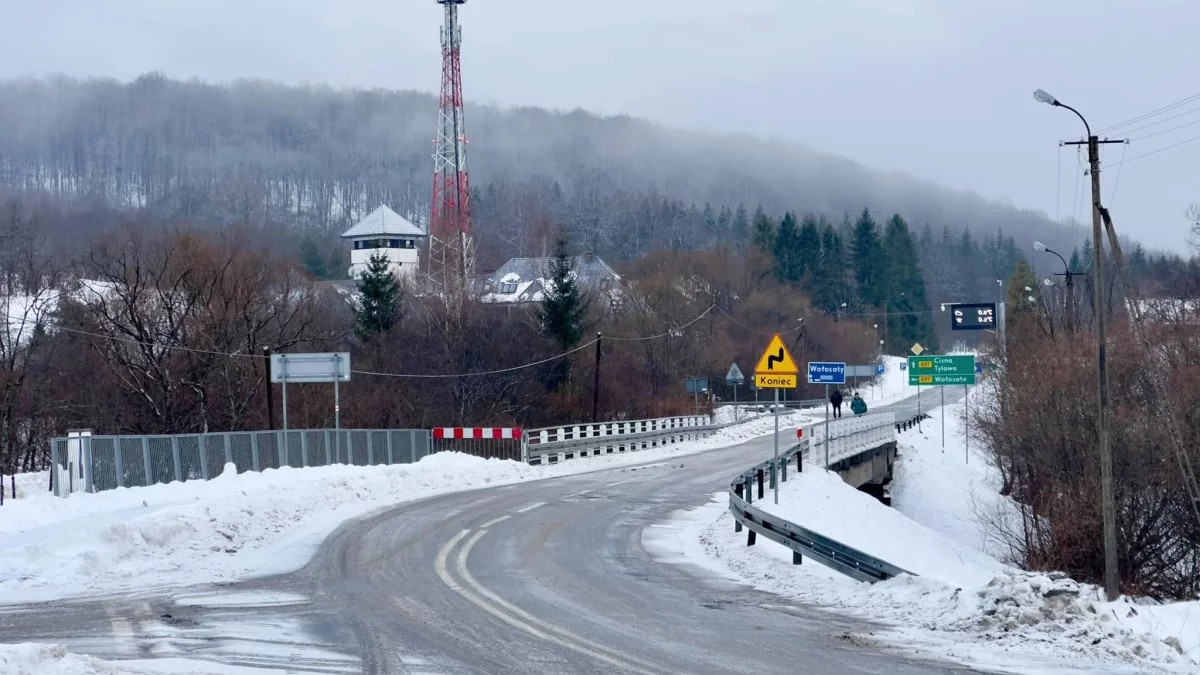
(320, 157)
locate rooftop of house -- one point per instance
(526, 279)
(383, 222)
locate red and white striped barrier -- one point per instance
(476, 433)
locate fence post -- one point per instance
(227, 444)
(254, 465)
(749, 491)
(760, 483)
(391, 451)
(783, 468)
(202, 444)
(349, 448)
(282, 445)
(750, 537)
(771, 472)
(147, 478)
(796, 558)
(370, 449)
(86, 457)
(117, 459)
(175, 459)
(304, 448)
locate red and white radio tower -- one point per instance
(451, 250)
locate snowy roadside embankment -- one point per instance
(966, 604)
(249, 524)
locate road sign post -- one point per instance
(734, 377)
(776, 369)
(308, 368)
(826, 373)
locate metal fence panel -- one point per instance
(109, 462)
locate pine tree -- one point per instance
(909, 319)
(724, 223)
(786, 249)
(740, 229)
(563, 309)
(870, 261)
(313, 261)
(808, 251)
(379, 298)
(764, 231)
(830, 280)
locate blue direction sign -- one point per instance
(978, 368)
(879, 369)
(826, 372)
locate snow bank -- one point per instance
(965, 604)
(43, 659)
(250, 524)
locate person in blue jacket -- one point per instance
(858, 406)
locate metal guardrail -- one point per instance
(851, 437)
(554, 444)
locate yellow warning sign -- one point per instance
(776, 360)
(917, 349)
(769, 381)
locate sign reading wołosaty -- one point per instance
(941, 370)
(776, 368)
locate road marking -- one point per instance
(492, 522)
(530, 507)
(461, 566)
(620, 482)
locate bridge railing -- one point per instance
(554, 444)
(846, 439)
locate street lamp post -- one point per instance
(1068, 274)
(1111, 577)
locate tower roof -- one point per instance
(383, 222)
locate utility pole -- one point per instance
(270, 389)
(1112, 578)
(596, 384)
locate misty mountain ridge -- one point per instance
(319, 157)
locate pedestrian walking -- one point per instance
(835, 399)
(857, 405)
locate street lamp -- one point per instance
(1109, 509)
(1068, 274)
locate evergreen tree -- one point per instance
(312, 259)
(379, 298)
(764, 231)
(870, 261)
(724, 224)
(909, 318)
(829, 284)
(563, 307)
(739, 229)
(786, 249)
(807, 256)
(1019, 287)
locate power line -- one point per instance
(1176, 116)
(1120, 166)
(143, 343)
(1163, 149)
(752, 330)
(1152, 113)
(662, 335)
(500, 371)
(1168, 130)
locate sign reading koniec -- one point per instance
(776, 368)
(941, 370)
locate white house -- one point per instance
(387, 232)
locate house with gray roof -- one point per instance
(387, 232)
(525, 280)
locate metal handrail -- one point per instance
(802, 541)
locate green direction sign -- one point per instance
(933, 371)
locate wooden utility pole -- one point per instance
(1112, 578)
(270, 388)
(596, 383)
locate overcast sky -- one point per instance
(940, 89)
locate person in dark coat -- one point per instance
(836, 400)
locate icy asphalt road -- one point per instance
(542, 577)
